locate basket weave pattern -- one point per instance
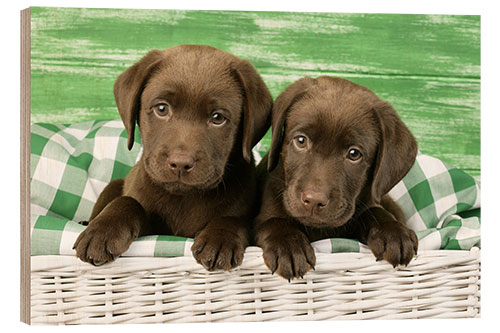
(437, 284)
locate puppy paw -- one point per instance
(103, 241)
(290, 256)
(393, 242)
(218, 250)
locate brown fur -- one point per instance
(196, 177)
(315, 190)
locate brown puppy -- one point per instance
(342, 150)
(200, 111)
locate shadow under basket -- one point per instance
(436, 284)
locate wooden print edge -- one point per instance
(25, 275)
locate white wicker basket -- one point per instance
(437, 284)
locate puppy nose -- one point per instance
(180, 162)
(311, 199)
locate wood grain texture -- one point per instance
(426, 66)
(25, 225)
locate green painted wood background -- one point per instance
(426, 66)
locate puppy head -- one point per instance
(197, 107)
(342, 149)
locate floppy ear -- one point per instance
(284, 102)
(396, 152)
(257, 105)
(128, 89)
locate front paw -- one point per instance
(290, 255)
(393, 242)
(103, 241)
(218, 250)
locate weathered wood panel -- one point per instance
(427, 66)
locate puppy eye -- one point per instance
(162, 109)
(300, 142)
(217, 119)
(354, 154)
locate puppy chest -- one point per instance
(179, 218)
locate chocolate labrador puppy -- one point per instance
(342, 150)
(200, 111)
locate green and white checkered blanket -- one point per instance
(71, 165)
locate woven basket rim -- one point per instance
(325, 262)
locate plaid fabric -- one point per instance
(71, 165)
(55, 236)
